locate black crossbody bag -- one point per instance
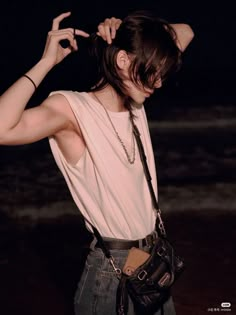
(149, 285)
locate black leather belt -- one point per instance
(148, 241)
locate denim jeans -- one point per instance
(96, 292)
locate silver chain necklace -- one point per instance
(129, 158)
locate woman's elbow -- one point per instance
(189, 32)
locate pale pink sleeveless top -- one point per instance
(111, 193)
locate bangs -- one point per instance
(156, 61)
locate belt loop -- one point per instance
(148, 240)
(140, 243)
(93, 243)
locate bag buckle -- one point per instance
(161, 251)
(151, 238)
(142, 275)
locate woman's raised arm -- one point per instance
(15, 99)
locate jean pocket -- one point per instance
(82, 283)
(105, 293)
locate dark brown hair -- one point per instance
(151, 42)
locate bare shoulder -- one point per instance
(57, 103)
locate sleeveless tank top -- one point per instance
(111, 193)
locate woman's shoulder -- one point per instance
(67, 96)
(65, 93)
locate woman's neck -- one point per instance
(110, 99)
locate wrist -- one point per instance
(46, 64)
(39, 71)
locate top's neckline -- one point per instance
(112, 113)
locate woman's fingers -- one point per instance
(102, 31)
(115, 24)
(56, 24)
(107, 29)
(68, 34)
(80, 33)
(56, 21)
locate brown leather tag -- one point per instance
(135, 258)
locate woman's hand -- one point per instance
(53, 51)
(107, 29)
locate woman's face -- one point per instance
(139, 93)
(136, 91)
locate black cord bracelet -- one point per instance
(26, 76)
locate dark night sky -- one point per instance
(207, 75)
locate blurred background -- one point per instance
(43, 243)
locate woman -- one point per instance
(91, 137)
